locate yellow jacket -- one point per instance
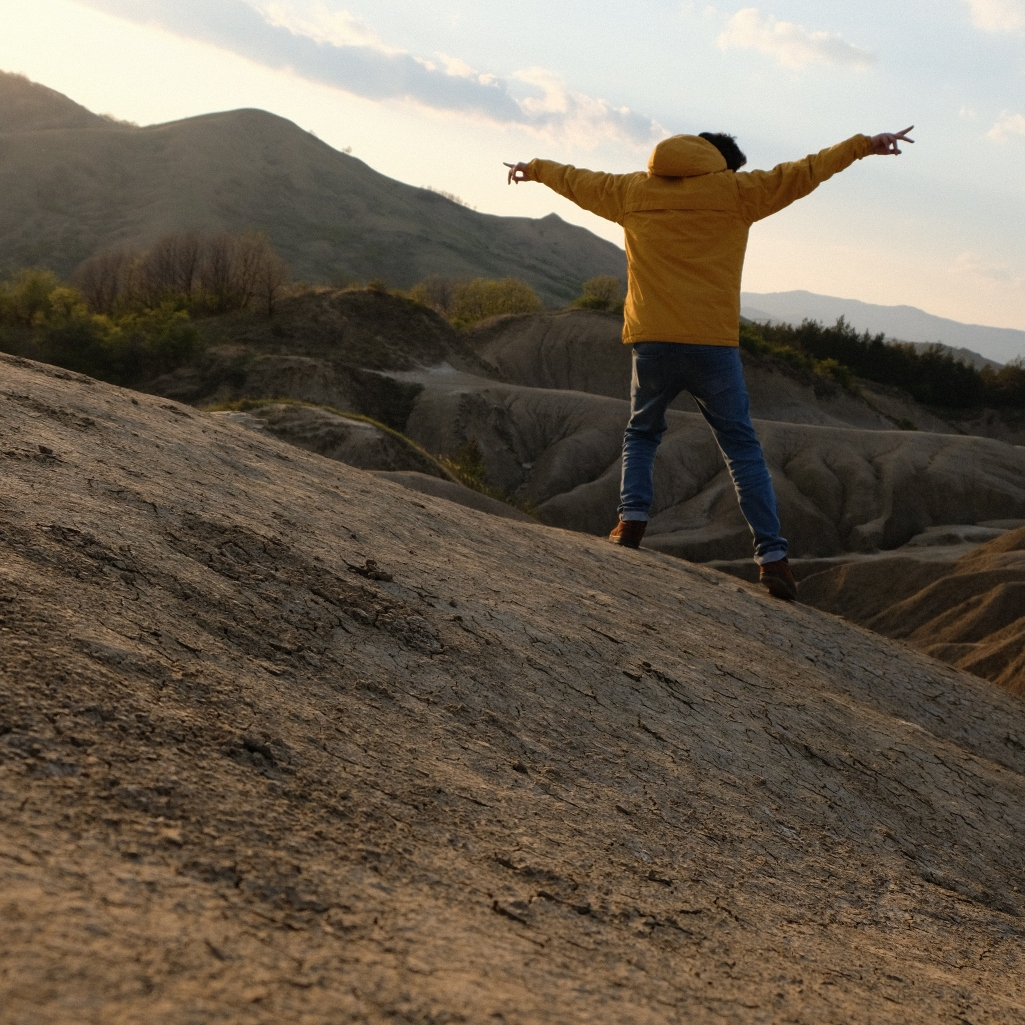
(686, 223)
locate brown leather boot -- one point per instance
(628, 533)
(778, 577)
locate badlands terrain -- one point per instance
(282, 740)
(885, 514)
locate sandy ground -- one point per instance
(284, 742)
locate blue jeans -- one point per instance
(714, 376)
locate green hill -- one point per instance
(75, 183)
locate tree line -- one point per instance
(128, 316)
(932, 376)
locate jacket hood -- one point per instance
(684, 156)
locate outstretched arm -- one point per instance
(765, 192)
(602, 194)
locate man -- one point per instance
(686, 223)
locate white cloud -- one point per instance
(792, 45)
(334, 48)
(1008, 125)
(551, 106)
(998, 15)
(319, 22)
(458, 67)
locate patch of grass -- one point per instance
(468, 467)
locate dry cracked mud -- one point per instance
(281, 741)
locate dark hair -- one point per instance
(727, 146)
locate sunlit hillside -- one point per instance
(74, 184)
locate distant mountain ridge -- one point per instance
(75, 183)
(903, 323)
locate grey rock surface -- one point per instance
(278, 745)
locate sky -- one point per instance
(440, 94)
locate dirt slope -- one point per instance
(361, 443)
(970, 613)
(73, 186)
(283, 742)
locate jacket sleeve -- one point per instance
(767, 192)
(602, 194)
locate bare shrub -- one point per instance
(217, 275)
(252, 252)
(435, 292)
(212, 274)
(272, 280)
(173, 263)
(105, 279)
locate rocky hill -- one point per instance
(281, 741)
(74, 184)
(955, 591)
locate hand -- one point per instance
(520, 173)
(887, 143)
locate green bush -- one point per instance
(45, 320)
(476, 300)
(27, 297)
(603, 292)
(752, 340)
(838, 372)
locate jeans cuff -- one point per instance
(773, 555)
(633, 517)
